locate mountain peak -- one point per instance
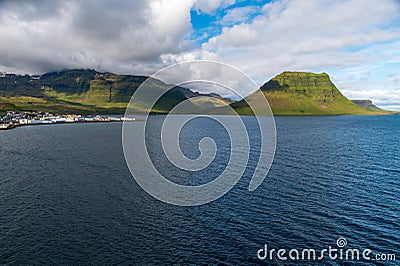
(305, 93)
(302, 73)
(302, 82)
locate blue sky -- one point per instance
(207, 24)
(355, 41)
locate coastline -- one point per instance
(13, 126)
(6, 126)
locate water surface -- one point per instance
(67, 196)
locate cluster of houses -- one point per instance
(13, 119)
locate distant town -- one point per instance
(14, 119)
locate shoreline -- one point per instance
(13, 126)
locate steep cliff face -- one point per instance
(299, 84)
(367, 104)
(304, 93)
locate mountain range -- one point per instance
(87, 91)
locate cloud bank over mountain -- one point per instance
(123, 36)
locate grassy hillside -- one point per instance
(81, 91)
(304, 93)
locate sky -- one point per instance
(357, 42)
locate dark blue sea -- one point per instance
(68, 198)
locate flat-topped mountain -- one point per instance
(367, 104)
(304, 93)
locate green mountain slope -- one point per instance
(83, 91)
(304, 93)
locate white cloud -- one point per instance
(43, 36)
(378, 73)
(171, 59)
(386, 99)
(305, 35)
(238, 15)
(210, 6)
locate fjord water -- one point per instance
(67, 196)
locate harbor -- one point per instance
(15, 119)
